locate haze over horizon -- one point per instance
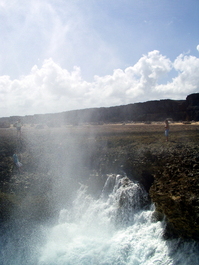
(61, 55)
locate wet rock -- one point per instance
(168, 171)
(175, 193)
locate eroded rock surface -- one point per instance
(169, 171)
(175, 190)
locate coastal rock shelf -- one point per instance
(169, 171)
(175, 190)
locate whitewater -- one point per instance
(116, 228)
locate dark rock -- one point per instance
(157, 110)
(168, 171)
(175, 193)
(157, 216)
(5, 124)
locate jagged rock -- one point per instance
(175, 192)
(168, 171)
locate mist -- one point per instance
(78, 199)
(55, 165)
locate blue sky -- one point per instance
(58, 55)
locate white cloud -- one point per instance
(187, 80)
(197, 47)
(149, 69)
(134, 83)
(51, 88)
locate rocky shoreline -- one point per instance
(169, 171)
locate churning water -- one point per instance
(115, 229)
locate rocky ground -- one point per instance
(55, 160)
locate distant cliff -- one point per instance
(158, 110)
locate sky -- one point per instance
(60, 55)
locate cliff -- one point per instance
(168, 171)
(176, 188)
(158, 110)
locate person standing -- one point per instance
(167, 129)
(16, 162)
(18, 126)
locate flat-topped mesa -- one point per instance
(156, 110)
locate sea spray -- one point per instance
(114, 229)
